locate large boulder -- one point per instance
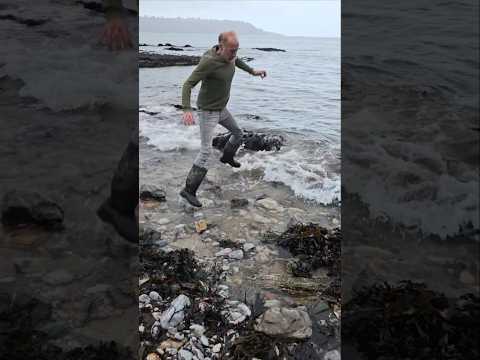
(252, 141)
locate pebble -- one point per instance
(153, 356)
(268, 204)
(144, 298)
(204, 340)
(216, 348)
(224, 252)
(197, 330)
(155, 296)
(185, 355)
(248, 246)
(332, 355)
(237, 255)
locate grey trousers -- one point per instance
(208, 121)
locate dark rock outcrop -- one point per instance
(173, 48)
(270, 49)
(28, 207)
(252, 141)
(149, 60)
(152, 192)
(188, 46)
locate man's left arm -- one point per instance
(242, 65)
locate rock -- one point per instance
(238, 203)
(252, 141)
(237, 255)
(173, 48)
(144, 298)
(171, 344)
(236, 312)
(248, 246)
(332, 355)
(197, 330)
(174, 314)
(58, 277)
(467, 278)
(270, 49)
(200, 226)
(152, 192)
(268, 204)
(152, 60)
(247, 59)
(28, 207)
(153, 356)
(188, 46)
(168, 44)
(216, 348)
(204, 340)
(160, 44)
(155, 296)
(294, 220)
(185, 355)
(272, 303)
(290, 323)
(224, 252)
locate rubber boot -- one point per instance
(194, 179)
(228, 153)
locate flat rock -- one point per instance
(280, 321)
(237, 255)
(270, 49)
(252, 141)
(268, 204)
(238, 203)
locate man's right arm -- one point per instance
(200, 73)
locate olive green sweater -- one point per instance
(216, 75)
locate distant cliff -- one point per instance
(192, 25)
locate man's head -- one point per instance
(228, 44)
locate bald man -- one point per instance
(215, 71)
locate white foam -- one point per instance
(407, 179)
(305, 174)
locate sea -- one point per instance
(299, 99)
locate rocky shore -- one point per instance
(151, 60)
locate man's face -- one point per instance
(230, 49)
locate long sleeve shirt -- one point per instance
(216, 75)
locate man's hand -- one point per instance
(115, 34)
(261, 73)
(188, 118)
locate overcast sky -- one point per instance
(288, 17)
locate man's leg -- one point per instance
(207, 121)
(235, 140)
(120, 207)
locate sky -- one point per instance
(288, 17)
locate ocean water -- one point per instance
(410, 139)
(299, 99)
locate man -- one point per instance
(215, 70)
(120, 209)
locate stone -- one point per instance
(152, 192)
(224, 252)
(200, 226)
(237, 255)
(171, 344)
(268, 204)
(270, 49)
(287, 322)
(153, 356)
(204, 340)
(197, 330)
(216, 348)
(185, 355)
(174, 314)
(332, 355)
(238, 203)
(28, 207)
(155, 296)
(248, 246)
(144, 298)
